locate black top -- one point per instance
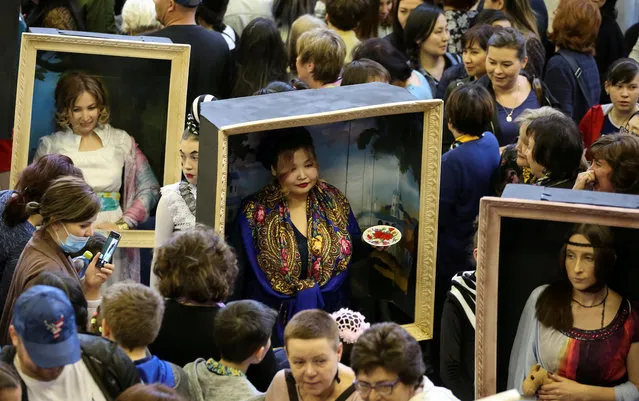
(187, 334)
(610, 47)
(302, 248)
(210, 69)
(457, 351)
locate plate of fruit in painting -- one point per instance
(382, 235)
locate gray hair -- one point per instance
(529, 115)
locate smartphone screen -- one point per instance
(109, 248)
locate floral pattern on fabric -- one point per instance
(222, 370)
(329, 242)
(458, 23)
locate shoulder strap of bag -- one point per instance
(347, 393)
(290, 385)
(577, 72)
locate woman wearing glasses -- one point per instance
(388, 366)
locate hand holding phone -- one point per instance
(108, 250)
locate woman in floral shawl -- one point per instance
(298, 233)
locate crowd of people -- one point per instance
(533, 94)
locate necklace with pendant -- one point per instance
(509, 116)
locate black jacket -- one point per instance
(544, 97)
(110, 367)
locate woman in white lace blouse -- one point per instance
(176, 209)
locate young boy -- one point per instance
(131, 316)
(242, 332)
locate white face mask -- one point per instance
(73, 243)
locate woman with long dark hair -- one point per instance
(400, 12)
(261, 58)
(579, 329)
(426, 35)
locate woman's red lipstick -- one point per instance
(303, 185)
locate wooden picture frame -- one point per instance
(176, 55)
(224, 119)
(493, 211)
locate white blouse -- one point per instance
(102, 168)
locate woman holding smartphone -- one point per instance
(109, 158)
(69, 209)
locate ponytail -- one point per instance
(15, 211)
(34, 181)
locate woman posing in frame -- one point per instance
(296, 238)
(580, 330)
(103, 152)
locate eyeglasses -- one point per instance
(383, 388)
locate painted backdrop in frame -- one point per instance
(146, 85)
(356, 129)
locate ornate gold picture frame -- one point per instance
(174, 59)
(327, 106)
(494, 213)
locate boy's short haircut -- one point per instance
(241, 328)
(324, 48)
(362, 71)
(346, 14)
(312, 324)
(133, 313)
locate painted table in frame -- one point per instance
(544, 225)
(150, 105)
(341, 122)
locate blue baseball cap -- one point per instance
(45, 321)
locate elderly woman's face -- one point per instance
(298, 174)
(84, 114)
(580, 263)
(381, 385)
(536, 168)
(602, 171)
(314, 364)
(522, 147)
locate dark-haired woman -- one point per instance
(210, 15)
(297, 236)
(615, 165)
(577, 328)
(388, 362)
(401, 10)
(622, 85)
(512, 91)
(466, 176)
(524, 19)
(16, 226)
(261, 58)
(574, 33)
(554, 151)
(427, 37)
